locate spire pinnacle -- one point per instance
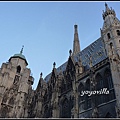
(76, 45)
(70, 52)
(106, 6)
(54, 65)
(108, 11)
(41, 75)
(22, 50)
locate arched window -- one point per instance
(109, 85)
(88, 98)
(118, 32)
(66, 113)
(81, 98)
(108, 35)
(108, 79)
(99, 86)
(18, 69)
(63, 86)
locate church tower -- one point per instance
(76, 45)
(111, 37)
(15, 84)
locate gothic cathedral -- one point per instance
(86, 86)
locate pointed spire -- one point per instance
(108, 11)
(22, 50)
(54, 65)
(106, 6)
(70, 52)
(41, 75)
(76, 45)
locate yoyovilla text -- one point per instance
(89, 93)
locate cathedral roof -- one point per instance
(95, 50)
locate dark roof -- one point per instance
(96, 50)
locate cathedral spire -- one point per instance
(76, 45)
(106, 6)
(108, 12)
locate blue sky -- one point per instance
(46, 29)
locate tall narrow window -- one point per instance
(66, 113)
(109, 85)
(118, 32)
(18, 69)
(81, 98)
(88, 98)
(99, 86)
(46, 112)
(108, 35)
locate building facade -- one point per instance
(87, 85)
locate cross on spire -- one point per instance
(22, 50)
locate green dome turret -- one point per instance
(19, 55)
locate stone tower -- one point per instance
(15, 85)
(111, 37)
(76, 45)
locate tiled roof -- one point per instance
(96, 50)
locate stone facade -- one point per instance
(95, 69)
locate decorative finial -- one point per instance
(41, 75)
(70, 52)
(54, 65)
(105, 4)
(75, 26)
(22, 50)
(107, 8)
(90, 61)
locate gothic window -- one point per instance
(45, 96)
(18, 69)
(63, 88)
(50, 91)
(109, 85)
(80, 89)
(88, 98)
(46, 115)
(66, 113)
(108, 79)
(99, 86)
(81, 98)
(118, 32)
(108, 35)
